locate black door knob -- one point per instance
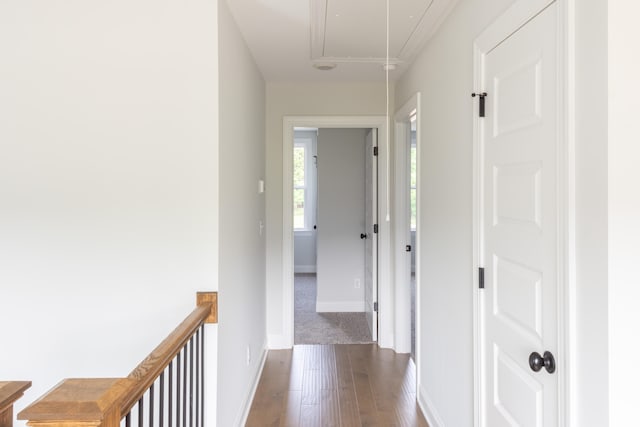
(363, 236)
(547, 361)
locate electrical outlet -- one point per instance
(356, 283)
(248, 355)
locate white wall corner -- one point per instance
(339, 306)
(254, 386)
(428, 409)
(277, 342)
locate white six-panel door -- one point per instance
(519, 225)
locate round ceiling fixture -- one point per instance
(324, 66)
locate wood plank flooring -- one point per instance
(336, 385)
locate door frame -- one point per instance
(402, 130)
(513, 19)
(401, 223)
(385, 307)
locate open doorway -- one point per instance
(386, 309)
(335, 239)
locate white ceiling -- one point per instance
(287, 36)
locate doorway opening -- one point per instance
(335, 239)
(380, 318)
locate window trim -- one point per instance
(306, 140)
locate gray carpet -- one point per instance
(324, 328)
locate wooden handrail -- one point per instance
(102, 402)
(10, 391)
(150, 368)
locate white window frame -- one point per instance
(305, 139)
(413, 187)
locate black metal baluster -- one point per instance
(178, 389)
(191, 382)
(184, 386)
(127, 420)
(151, 404)
(170, 417)
(198, 378)
(161, 400)
(202, 373)
(141, 412)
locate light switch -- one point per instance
(261, 186)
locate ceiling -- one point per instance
(286, 37)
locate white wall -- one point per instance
(242, 246)
(591, 394)
(443, 72)
(341, 217)
(108, 181)
(301, 99)
(624, 212)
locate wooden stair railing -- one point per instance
(138, 399)
(10, 391)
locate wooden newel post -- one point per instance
(10, 391)
(79, 403)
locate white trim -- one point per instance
(339, 306)
(252, 393)
(429, 409)
(386, 312)
(277, 342)
(311, 268)
(402, 222)
(514, 18)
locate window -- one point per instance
(303, 184)
(413, 175)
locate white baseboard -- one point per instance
(252, 393)
(339, 306)
(277, 342)
(304, 269)
(428, 409)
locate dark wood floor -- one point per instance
(336, 385)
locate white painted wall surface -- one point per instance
(341, 218)
(242, 209)
(591, 368)
(443, 73)
(301, 99)
(624, 212)
(108, 182)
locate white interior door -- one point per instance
(371, 240)
(519, 237)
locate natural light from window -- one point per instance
(413, 177)
(299, 186)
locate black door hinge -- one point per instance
(481, 277)
(375, 306)
(375, 228)
(375, 151)
(482, 96)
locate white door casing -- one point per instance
(386, 311)
(519, 217)
(371, 237)
(402, 226)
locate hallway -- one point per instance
(336, 385)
